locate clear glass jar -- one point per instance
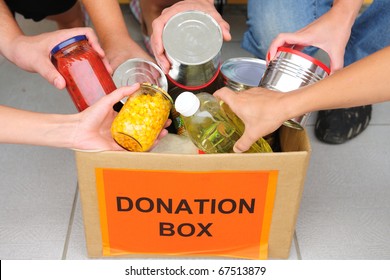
(87, 79)
(141, 119)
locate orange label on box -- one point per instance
(225, 213)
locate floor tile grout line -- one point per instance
(70, 224)
(297, 249)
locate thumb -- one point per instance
(50, 73)
(244, 143)
(335, 65)
(120, 93)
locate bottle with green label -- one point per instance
(211, 127)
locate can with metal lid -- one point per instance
(192, 41)
(138, 70)
(242, 73)
(291, 69)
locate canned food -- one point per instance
(242, 73)
(290, 70)
(141, 118)
(139, 70)
(86, 77)
(193, 42)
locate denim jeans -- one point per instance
(268, 18)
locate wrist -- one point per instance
(32, 128)
(11, 46)
(295, 103)
(62, 130)
(346, 10)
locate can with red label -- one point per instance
(192, 41)
(291, 69)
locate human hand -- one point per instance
(260, 109)
(32, 53)
(124, 49)
(330, 33)
(93, 131)
(158, 24)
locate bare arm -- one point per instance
(88, 130)
(111, 29)
(263, 111)
(9, 29)
(364, 82)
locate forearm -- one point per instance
(347, 10)
(24, 127)
(111, 29)
(9, 29)
(108, 22)
(364, 82)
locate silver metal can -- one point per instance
(192, 41)
(138, 70)
(291, 69)
(242, 73)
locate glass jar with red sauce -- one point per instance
(87, 79)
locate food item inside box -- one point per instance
(141, 119)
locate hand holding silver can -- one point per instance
(192, 41)
(291, 69)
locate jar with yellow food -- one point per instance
(141, 119)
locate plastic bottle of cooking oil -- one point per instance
(211, 127)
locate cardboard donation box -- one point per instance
(167, 203)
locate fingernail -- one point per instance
(236, 150)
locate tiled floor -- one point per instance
(345, 210)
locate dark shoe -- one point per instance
(341, 125)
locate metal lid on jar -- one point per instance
(67, 43)
(192, 38)
(243, 72)
(139, 70)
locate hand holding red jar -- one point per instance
(87, 79)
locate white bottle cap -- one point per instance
(187, 104)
